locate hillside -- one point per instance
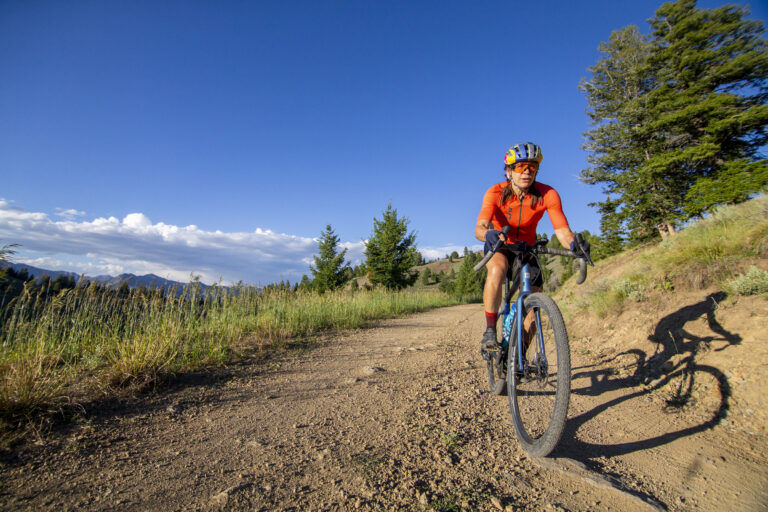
(672, 317)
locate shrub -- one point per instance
(754, 282)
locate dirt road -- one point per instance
(397, 417)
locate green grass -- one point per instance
(706, 252)
(709, 252)
(453, 440)
(84, 338)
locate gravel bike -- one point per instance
(532, 367)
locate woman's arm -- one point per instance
(565, 235)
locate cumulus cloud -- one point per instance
(137, 245)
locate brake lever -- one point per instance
(585, 255)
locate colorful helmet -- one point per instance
(523, 152)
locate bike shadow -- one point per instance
(674, 356)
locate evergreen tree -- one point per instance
(678, 117)
(426, 276)
(305, 283)
(709, 101)
(329, 271)
(448, 282)
(467, 281)
(616, 146)
(391, 251)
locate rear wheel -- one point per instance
(539, 391)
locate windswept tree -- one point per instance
(391, 252)
(330, 271)
(6, 251)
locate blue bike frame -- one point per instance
(525, 290)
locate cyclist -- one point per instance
(518, 202)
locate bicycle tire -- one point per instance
(497, 380)
(538, 399)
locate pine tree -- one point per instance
(709, 101)
(467, 281)
(391, 252)
(448, 282)
(426, 276)
(616, 146)
(678, 118)
(329, 271)
(305, 283)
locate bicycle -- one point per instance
(538, 397)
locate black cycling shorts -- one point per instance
(537, 278)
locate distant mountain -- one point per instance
(41, 272)
(134, 281)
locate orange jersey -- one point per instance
(521, 217)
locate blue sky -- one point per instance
(221, 137)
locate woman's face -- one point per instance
(523, 174)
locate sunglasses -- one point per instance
(521, 168)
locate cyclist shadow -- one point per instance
(673, 360)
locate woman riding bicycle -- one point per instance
(518, 202)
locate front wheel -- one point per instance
(539, 391)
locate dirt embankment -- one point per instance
(398, 417)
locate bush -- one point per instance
(754, 282)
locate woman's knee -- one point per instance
(496, 272)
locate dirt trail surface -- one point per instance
(399, 417)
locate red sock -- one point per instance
(490, 319)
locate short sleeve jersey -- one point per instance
(520, 215)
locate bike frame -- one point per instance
(525, 290)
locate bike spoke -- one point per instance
(538, 394)
(536, 390)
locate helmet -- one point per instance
(523, 152)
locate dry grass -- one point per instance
(47, 345)
(712, 251)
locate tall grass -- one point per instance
(704, 253)
(711, 251)
(86, 335)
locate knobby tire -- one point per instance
(539, 398)
(497, 377)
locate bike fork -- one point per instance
(525, 290)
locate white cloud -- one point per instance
(108, 245)
(136, 245)
(69, 214)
